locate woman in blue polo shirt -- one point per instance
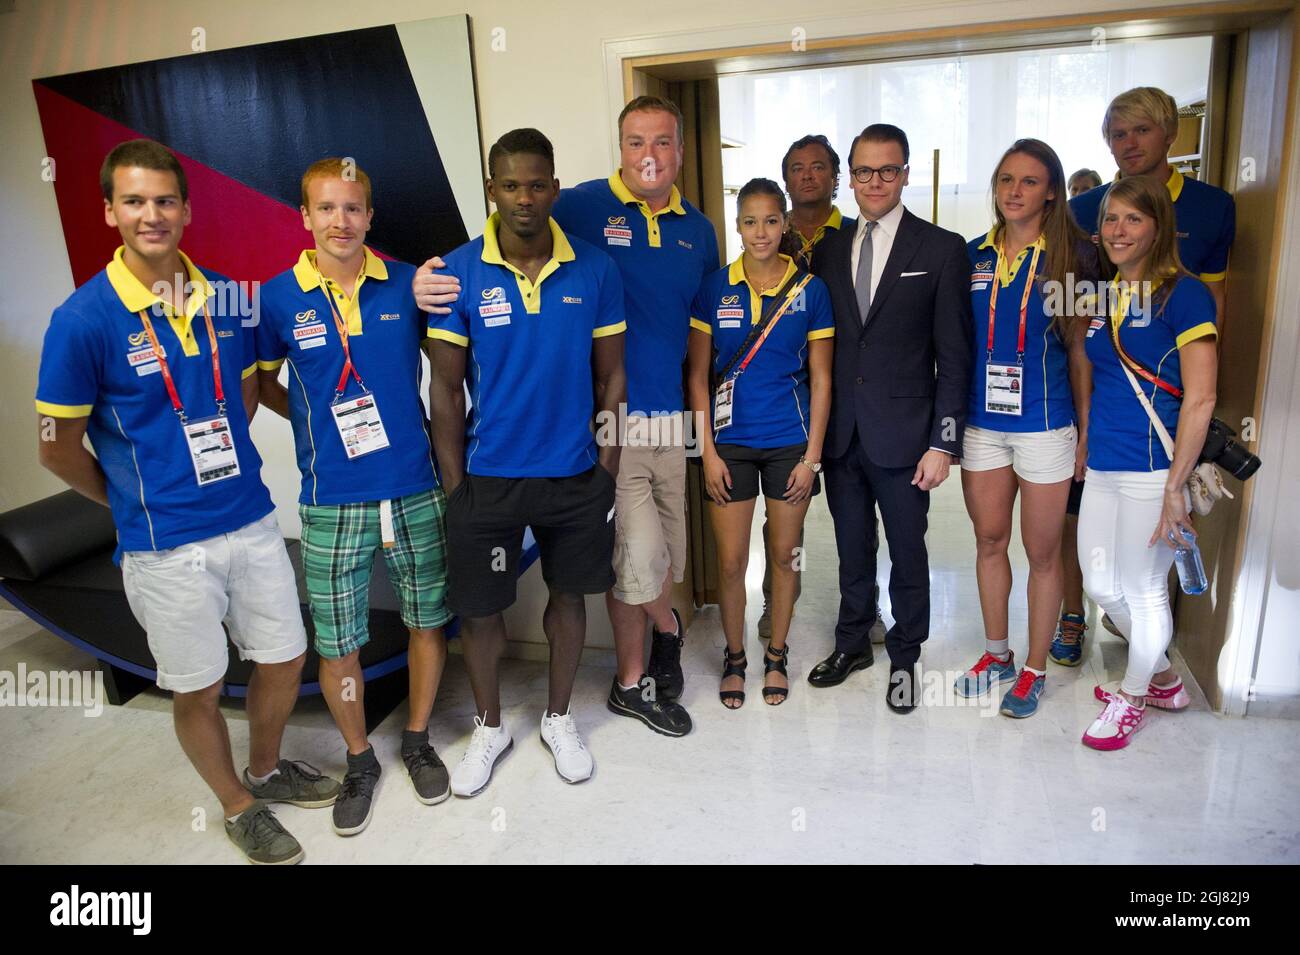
(1030, 374)
(1159, 341)
(766, 410)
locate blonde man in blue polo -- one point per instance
(346, 324)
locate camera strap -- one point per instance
(758, 334)
(1133, 364)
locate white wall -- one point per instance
(550, 73)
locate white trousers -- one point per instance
(1129, 580)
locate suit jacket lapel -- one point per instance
(900, 253)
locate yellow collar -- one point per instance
(1007, 271)
(624, 195)
(309, 277)
(1174, 183)
(835, 221)
(736, 273)
(137, 298)
(561, 250)
(990, 241)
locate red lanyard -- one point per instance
(1024, 302)
(167, 374)
(1121, 313)
(794, 292)
(343, 338)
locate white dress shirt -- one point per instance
(882, 241)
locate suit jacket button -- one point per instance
(862, 345)
(859, 379)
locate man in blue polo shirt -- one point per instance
(1139, 127)
(345, 322)
(663, 247)
(539, 336)
(153, 366)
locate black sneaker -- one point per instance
(356, 801)
(428, 775)
(662, 716)
(666, 661)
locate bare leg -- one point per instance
(990, 496)
(629, 625)
(731, 524)
(1042, 515)
(565, 623)
(272, 693)
(485, 642)
(344, 689)
(785, 531)
(1072, 575)
(202, 732)
(425, 659)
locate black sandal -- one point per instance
(733, 665)
(782, 658)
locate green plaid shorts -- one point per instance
(338, 551)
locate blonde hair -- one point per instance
(336, 167)
(1142, 102)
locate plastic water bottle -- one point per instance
(1191, 569)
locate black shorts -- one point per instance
(771, 466)
(572, 519)
(1076, 496)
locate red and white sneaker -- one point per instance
(1171, 697)
(1115, 726)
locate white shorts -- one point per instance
(182, 595)
(1040, 457)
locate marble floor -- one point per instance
(831, 776)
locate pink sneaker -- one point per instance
(1115, 726)
(1171, 697)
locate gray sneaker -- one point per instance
(297, 783)
(428, 775)
(260, 836)
(356, 802)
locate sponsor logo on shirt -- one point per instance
(225, 333)
(1094, 325)
(617, 232)
(730, 313)
(985, 266)
(309, 331)
(730, 299)
(307, 316)
(495, 310)
(572, 300)
(493, 293)
(390, 317)
(684, 244)
(137, 339)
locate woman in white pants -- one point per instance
(1162, 330)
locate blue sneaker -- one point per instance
(1022, 699)
(980, 678)
(1067, 645)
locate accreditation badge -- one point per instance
(1003, 392)
(212, 449)
(723, 400)
(359, 425)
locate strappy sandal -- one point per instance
(733, 665)
(769, 664)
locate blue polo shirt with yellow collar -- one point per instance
(97, 363)
(529, 362)
(1047, 402)
(803, 248)
(662, 258)
(771, 403)
(385, 331)
(1205, 218)
(1121, 436)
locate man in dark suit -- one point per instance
(900, 288)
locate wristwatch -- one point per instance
(814, 466)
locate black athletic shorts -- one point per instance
(769, 467)
(1076, 496)
(572, 519)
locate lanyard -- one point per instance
(1125, 297)
(167, 374)
(343, 338)
(1024, 302)
(790, 297)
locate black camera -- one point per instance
(1220, 449)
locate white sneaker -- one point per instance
(486, 746)
(572, 761)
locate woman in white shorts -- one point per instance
(1030, 374)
